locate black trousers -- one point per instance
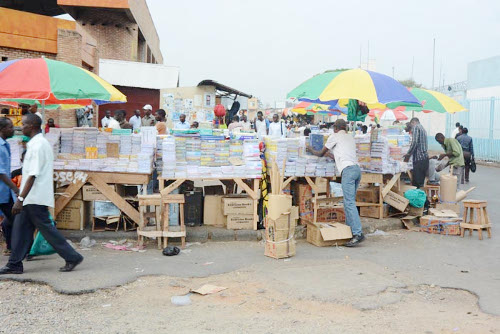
(6, 209)
(420, 171)
(37, 216)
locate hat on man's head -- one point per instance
(340, 124)
(147, 107)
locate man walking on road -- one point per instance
(8, 190)
(418, 150)
(342, 146)
(37, 194)
(466, 141)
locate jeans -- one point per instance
(458, 171)
(351, 176)
(37, 216)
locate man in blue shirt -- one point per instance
(8, 190)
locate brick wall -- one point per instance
(18, 53)
(69, 47)
(117, 37)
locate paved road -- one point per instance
(354, 276)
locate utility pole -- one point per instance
(412, 65)
(433, 61)
(440, 73)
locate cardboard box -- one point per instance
(237, 205)
(417, 212)
(331, 215)
(303, 199)
(367, 195)
(396, 201)
(105, 209)
(283, 228)
(240, 222)
(373, 211)
(73, 216)
(278, 205)
(90, 193)
(438, 225)
(324, 202)
(212, 212)
(449, 206)
(62, 190)
(328, 234)
(280, 249)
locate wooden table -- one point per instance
(100, 180)
(253, 192)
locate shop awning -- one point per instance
(222, 89)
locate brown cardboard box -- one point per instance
(280, 249)
(278, 205)
(449, 206)
(90, 193)
(396, 201)
(237, 205)
(212, 211)
(62, 190)
(331, 215)
(72, 217)
(373, 211)
(303, 199)
(240, 222)
(368, 195)
(438, 225)
(328, 234)
(283, 228)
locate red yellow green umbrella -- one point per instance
(54, 82)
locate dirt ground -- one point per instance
(249, 305)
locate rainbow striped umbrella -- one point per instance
(54, 82)
(434, 101)
(357, 84)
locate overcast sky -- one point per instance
(268, 47)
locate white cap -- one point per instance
(147, 107)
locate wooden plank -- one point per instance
(312, 184)
(121, 178)
(368, 204)
(371, 178)
(245, 186)
(63, 200)
(287, 181)
(110, 194)
(173, 199)
(172, 186)
(390, 184)
(171, 234)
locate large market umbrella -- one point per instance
(304, 108)
(54, 82)
(435, 101)
(391, 115)
(357, 84)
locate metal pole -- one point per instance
(43, 116)
(433, 60)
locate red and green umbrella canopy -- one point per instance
(54, 82)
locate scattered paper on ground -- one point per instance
(209, 289)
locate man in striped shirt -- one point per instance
(418, 151)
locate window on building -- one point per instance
(5, 58)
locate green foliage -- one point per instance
(410, 83)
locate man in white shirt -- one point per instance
(182, 124)
(31, 207)
(245, 124)
(113, 123)
(343, 147)
(105, 120)
(260, 125)
(277, 129)
(135, 120)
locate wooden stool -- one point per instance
(432, 189)
(477, 222)
(165, 201)
(149, 231)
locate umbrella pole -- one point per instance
(43, 116)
